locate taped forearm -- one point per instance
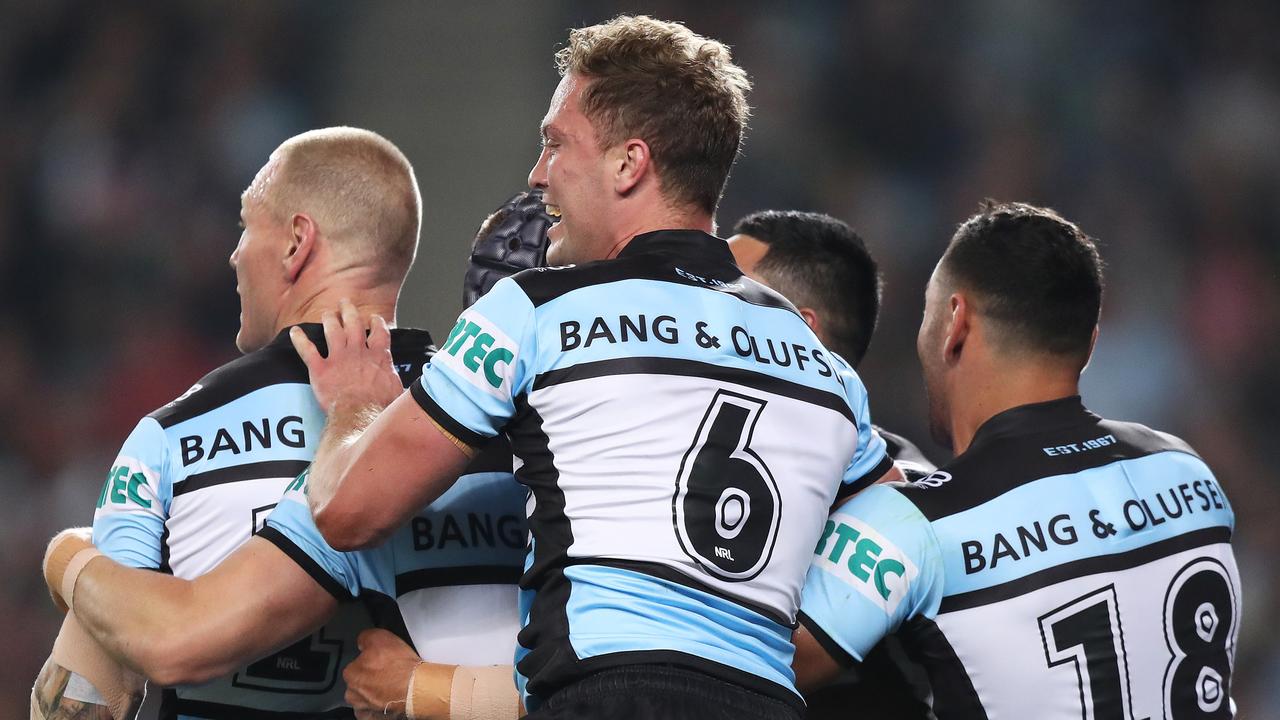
(448, 692)
(80, 680)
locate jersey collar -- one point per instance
(400, 337)
(685, 244)
(1034, 418)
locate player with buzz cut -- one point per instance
(1062, 565)
(334, 214)
(681, 430)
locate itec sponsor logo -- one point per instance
(126, 483)
(865, 560)
(483, 353)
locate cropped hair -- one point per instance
(670, 87)
(819, 262)
(362, 191)
(1032, 271)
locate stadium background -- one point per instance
(129, 129)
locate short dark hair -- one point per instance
(1034, 272)
(819, 262)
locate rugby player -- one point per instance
(823, 266)
(1062, 565)
(334, 214)
(652, 394)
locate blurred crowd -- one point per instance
(131, 128)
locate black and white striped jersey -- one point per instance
(1064, 566)
(683, 434)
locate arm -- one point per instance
(374, 467)
(49, 700)
(389, 679)
(813, 665)
(877, 564)
(179, 632)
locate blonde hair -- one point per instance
(676, 90)
(360, 189)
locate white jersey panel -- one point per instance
(627, 451)
(1061, 645)
(463, 625)
(207, 525)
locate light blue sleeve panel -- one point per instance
(471, 384)
(349, 571)
(128, 523)
(871, 459)
(877, 564)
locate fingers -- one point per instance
(379, 334)
(351, 324)
(333, 333)
(304, 347)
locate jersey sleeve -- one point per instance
(471, 385)
(129, 521)
(291, 528)
(877, 564)
(871, 458)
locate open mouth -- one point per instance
(553, 210)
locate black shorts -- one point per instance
(660, 692)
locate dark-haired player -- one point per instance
(822, 265)
(1062, 565)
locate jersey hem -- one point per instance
(828, 643)
(442, 418)
(728, 674)
(848, 490)
(306, 562)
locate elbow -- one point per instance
(174, 661)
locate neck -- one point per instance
(979, 399)
(307, 303)
(666, 219)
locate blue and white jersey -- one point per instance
(197, 478)
(683, 435)
(1064, 566)
(445, 581)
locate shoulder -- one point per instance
(272, 365)
(890, 510)
(1143, 440)
(544, 284)
(987, 471)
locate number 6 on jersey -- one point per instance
(726, 506)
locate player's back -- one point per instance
(1064, 566)
(199, 476)
(683, 434)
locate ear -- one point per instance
(631, 163)
(302, 242)
(1093, 343)
(959, 323)
(812, 320)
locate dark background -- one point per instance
(128, 130)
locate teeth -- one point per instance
(553, 210)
